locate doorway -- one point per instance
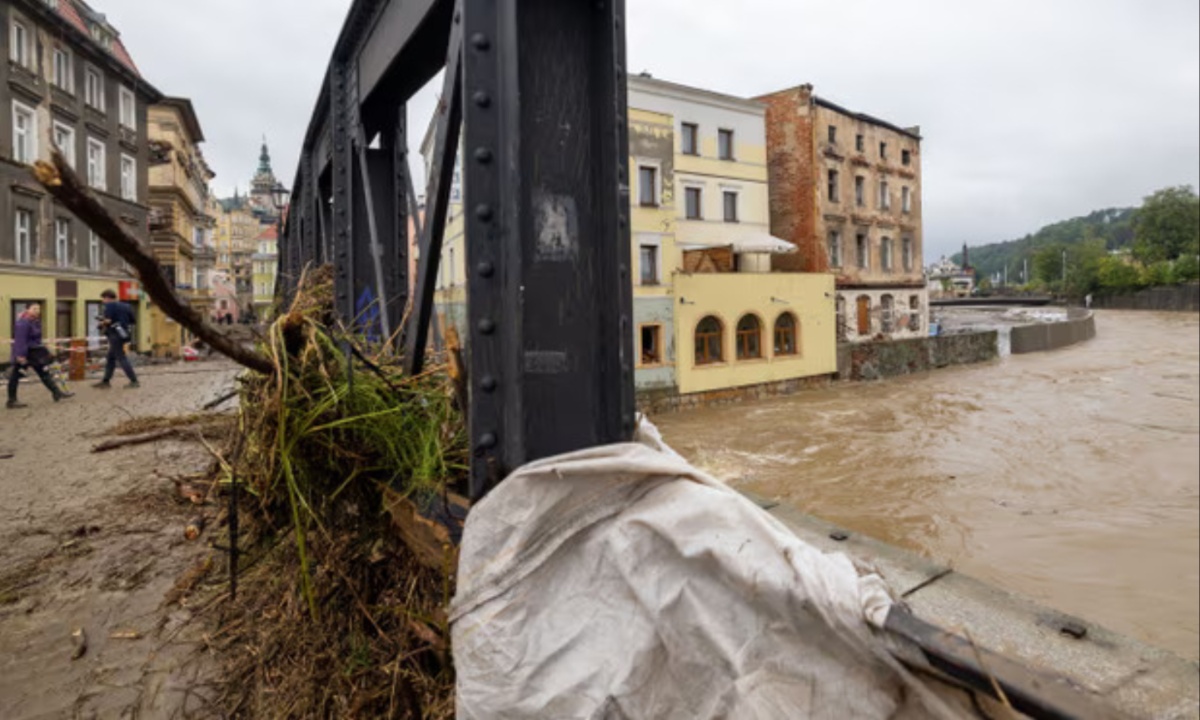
(864, 315)
(64, 319)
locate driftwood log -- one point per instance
(61, 182)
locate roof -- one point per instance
(269, 232)
(188, 113)
(647, 83)
(74, 12)
(865, 117)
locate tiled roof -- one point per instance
(269, 233)
(69, 12)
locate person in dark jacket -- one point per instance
(28, 352)
(117, 321)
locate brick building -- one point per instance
(845, 188)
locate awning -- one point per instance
(742, 242)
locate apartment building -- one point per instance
(265, 265)
(709, 312)
(69, 82)
(180, 226)
(846, 191)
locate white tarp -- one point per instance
(620, 582)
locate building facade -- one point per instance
(709, 312)
(265, 262)
(846, 191)
(180, 226)
(69, 82)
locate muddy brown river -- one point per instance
(1072, 477)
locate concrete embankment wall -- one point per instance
(1079, 326)
(1178, 298)
(877, 360)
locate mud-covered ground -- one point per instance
(91, 549)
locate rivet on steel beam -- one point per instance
(487, 326)
(483, 156)
(486, 269)
(487, 440)
(480, 41)
(488, 383)
(482, 99)
(483, 212)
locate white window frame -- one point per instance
(885, 254)
(64, 71)
(127, 113)
(863, 254)
(905, 199)
(95, 252)
(93, 91)
(834, 244)
(906, 252)
(23, 237)
(97, 177)
(64, 132)
(18, 43)
(62, 242)
(128, 180)
(650, 241)
(885, 199)
(737, 205)
(687, 189)
(25, 143)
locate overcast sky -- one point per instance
(1032, 110)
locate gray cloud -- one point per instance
(1031, 111)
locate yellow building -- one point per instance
(179, 223)
(265, 262)
(709, 312)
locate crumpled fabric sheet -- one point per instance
(621, 582)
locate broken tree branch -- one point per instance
(60, 181)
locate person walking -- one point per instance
(116, 323)
(29, 352)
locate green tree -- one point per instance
(1187, 268)
(1047, 265)
(1167, 225)
(1117, 276)
(1158, 273)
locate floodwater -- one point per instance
(1072, 477)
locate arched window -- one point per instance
(709, 340)
(749, 338)
(786, 336)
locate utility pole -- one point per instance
(1025, 273)
(1005, 274)
(1064, 279)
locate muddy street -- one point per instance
(91, 549)
(1071, 477)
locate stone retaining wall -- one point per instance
(1179, 298)
(1079, 326)
(877, 360)
(665, 400)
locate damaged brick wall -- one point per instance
(792, 177)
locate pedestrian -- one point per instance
(29, 352)
(1087, 301)
(116, 323)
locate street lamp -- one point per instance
(279, 198)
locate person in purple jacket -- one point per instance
(28, 352)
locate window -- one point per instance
(23, 233)
(887, 309)
(885, 200)
(860, 190)
(128, 178)
(93, 88)
(648, 262)
(63, 77)
(906, 157)
(64, 138)
(835, 249)
(906, 248)
(95, 164)
(725, 144)
(648, 186)
(883, 151)
(885, 254)
(692, 198)
(651, 349)
(25, 132)
(785, 335)
(832, 133)
(95, 251)
(905, 200)
(689, 141)
(833, 185)
(709, 340)
(128, 109)
(914, 313)
(749, 338)
(18, 44)
(731, 206)
(862, 251)
(62, 242)
(860, 143)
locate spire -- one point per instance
(264, 158)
